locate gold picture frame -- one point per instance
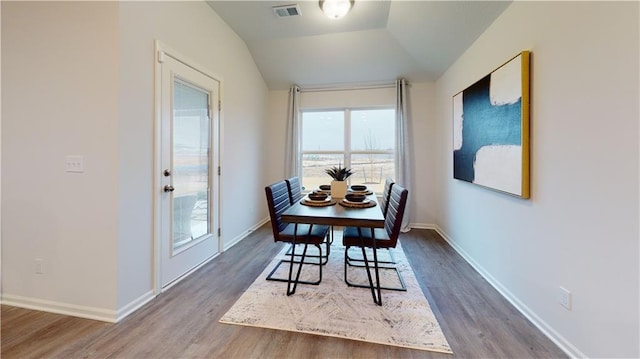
(491, 129)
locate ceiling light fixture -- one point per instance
(336, 9)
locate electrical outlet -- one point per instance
(74, 164)
(564, 298)
(39, 266)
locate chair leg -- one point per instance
(377, 300)
(322, 259)
(277, 266)
(292, 289)
(293, 254)
(331, 234)
(295, 283)
(347, 263)
(391, 260)
(329, 241)
(320, 267)
(375, 290)
(293, 280)
(366, 264)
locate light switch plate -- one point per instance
(74, 164)
(564, 298)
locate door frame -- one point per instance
(161, 50)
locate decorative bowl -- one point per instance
(318, 196)
(352, 197)
(358, 187)
(325, 187)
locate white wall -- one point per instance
(59, 96)
(421, 109)
(194, 30)
(579, 230)
(277, 133)
(78, 80)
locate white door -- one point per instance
(188, 185)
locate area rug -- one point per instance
(333, 309)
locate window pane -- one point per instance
(323, 131)
(372, 169)
(314, 166)
(190, 163)
(373, 130)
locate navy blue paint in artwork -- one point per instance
(484, 124)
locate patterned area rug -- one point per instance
(333, 309)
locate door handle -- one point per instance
(169, 188)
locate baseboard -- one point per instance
(244, 235)
(545, 328)
(422, 226)
(73, 310)
(134, 305)
(101, 314)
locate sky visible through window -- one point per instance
(324, 131)
(372, 130)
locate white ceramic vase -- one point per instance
(338, 189)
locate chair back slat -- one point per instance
(395, 212)
(278, 202)
(295, 190)
(388, 183)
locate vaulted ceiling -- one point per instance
(378, 41)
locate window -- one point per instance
(360, 139)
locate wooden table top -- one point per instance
(336, 215)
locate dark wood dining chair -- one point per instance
(295, 195)
(384, 206)
(295, 189)
(295, 234)
(377, 238)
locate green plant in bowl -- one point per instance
(339, 173)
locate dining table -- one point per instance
(336, 215)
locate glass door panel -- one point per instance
(188, 151)
(190, 157)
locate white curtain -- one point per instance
(292, 150)
(403, 149)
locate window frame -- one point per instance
(347, 152)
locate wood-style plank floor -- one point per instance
(183, 322)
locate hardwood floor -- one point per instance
(183, 322)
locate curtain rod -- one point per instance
(349, 88)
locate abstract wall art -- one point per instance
(491, 129)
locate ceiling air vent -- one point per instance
(287, 10)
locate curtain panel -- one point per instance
(292, 150)
(403, 147)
